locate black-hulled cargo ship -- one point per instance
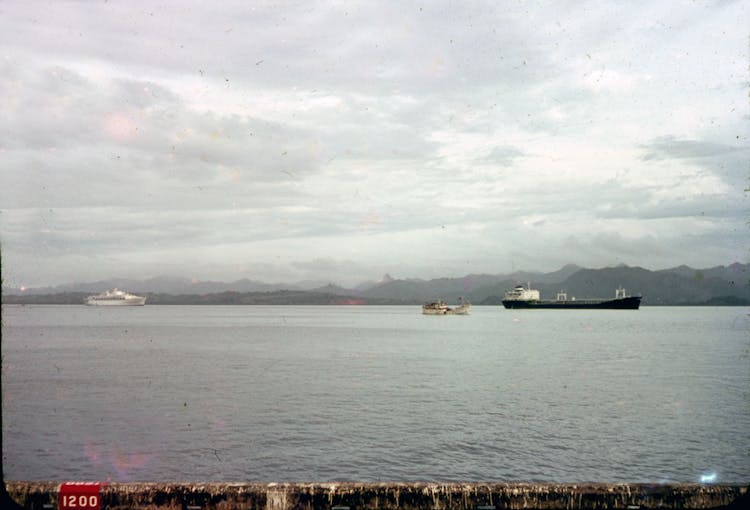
(521, 297)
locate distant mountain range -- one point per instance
(165, 285)
(681, 285)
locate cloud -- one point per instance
(75, 141)
(419, 140)
(727, 162)
(503, 155)
(669, 147)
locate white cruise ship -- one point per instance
(115, 297)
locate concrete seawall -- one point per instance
(391, 496)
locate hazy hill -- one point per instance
(674, 286)
(736, 272)
(553, 277)
(475, 287)
(159, 285)
(656, 287)
(678, 285)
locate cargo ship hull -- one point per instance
(626, 303)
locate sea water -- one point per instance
(375, 393)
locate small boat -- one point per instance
(521, 297)
(440, 307)
(115, 297)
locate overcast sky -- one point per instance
(338, 141)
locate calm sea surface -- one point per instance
(307, 393)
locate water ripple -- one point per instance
(374, 394)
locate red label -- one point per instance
(80, 496)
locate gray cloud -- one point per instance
(299, 139)
(669, 147)
(502, 155)
(728, 162)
